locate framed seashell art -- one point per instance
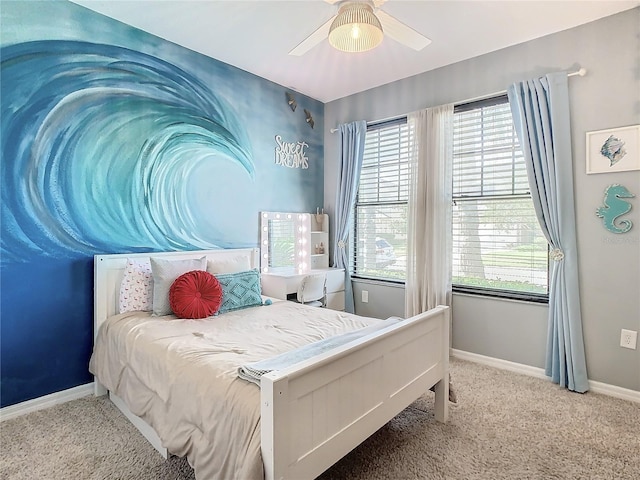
(613, 150)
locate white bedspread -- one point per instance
(254, 371)
(180, 376)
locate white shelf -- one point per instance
(319, 235)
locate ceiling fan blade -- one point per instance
(312, 40)
(400, 32)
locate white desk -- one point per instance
(279, 285)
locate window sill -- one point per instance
(467, 292)
(520, 297)
(378, 281)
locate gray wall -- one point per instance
(608, 96)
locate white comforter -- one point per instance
(180, 376)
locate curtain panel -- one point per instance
(428, 279)
(352, 138)
(540, 109)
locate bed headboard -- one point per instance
(108, 271)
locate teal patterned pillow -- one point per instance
(240, 290)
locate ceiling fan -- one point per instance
(359, 26)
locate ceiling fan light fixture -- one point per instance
(355, 28)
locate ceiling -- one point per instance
(256, 36)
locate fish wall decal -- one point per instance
(309, 118)
(291, 101)
(613, 149)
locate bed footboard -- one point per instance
(315, 412)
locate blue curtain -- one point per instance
(540, 109)
(352, 136)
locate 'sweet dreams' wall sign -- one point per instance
(291, 154)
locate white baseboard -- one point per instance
(595, 387)
(46, 401)
(614, 391)
(499, 363)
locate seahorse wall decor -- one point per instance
(614, 207)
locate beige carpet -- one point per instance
(505, 426)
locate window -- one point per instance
(380, 214)
(498, 247)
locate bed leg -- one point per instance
(99, 390)
(442, 387)
(442, 399)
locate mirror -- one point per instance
(281, 248)
(282, 242)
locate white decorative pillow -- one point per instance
(136, 289)
(241, 263)
(165, 273)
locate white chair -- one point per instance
(313, 290)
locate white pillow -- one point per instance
(136, 289)
(165, 273)
(229, 265)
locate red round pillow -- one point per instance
(195, 294)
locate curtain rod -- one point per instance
(581, 72)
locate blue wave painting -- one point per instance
(100, 147)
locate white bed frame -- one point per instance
(317, 411)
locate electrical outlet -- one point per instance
(365, 296)
(628, 339)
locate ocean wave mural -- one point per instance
(100, 149)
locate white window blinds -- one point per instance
(380, 214)
(497, 242)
